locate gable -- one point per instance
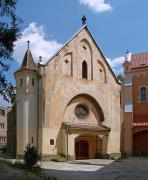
(86, 37)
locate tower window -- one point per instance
(84, 70)
(143, 94)
(21, 82)
(32, 81)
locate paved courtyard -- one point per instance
(129, 169)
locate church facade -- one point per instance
(71, 104)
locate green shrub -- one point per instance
(31, 156)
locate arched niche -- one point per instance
(101, 72)
(85, 54)
(67, 64)
(94, 115)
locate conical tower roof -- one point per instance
(28, 62)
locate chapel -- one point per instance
(69, 105)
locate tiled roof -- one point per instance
(99, 127)
(139, 60)
(28, 62)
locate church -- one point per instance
(71, 104)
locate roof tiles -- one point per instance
(139, 60)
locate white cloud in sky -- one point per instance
(116, 63)
(4, 103)
(97, 6)
(39, 44)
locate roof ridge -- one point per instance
(65, 44)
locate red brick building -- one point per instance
(135, 105)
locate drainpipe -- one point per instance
(38, 107)
(96, 146)
(67, 131)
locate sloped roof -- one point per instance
(99, 127)
(139, 60)
(85, 27)
(28, 62)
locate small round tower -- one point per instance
(27, 102)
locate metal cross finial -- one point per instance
(126, 55)
(84, 20)
(28, 42)
(40, 59)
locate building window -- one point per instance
(32, 81)
(84, 70)
(21, 82)
(2, 112)
(143, 94)
(2, 126)
(51, 141)
(81, 111)
(2, 139)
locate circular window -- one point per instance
(81, 111)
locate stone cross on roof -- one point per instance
(84, 20)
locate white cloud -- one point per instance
(39, 44)
(4, 103)
(97, 6)
(116, 64)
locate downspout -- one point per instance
(38, 107)
(67, 131)
(96, 147)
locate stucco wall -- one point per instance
(27, 110)
(60, 88)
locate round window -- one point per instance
(81, 111)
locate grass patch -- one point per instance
(59, 158)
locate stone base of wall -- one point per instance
(126, 154)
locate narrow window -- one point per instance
(21, 82)
(32, 81)
(2, 126)
(2, 112)
(84, 70)
(143, 94)
(51, 141)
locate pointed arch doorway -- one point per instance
(82, 149)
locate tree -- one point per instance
(120, 78)
(31, 156)
(9, 33)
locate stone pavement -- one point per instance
(99, 169)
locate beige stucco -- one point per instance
(61, 88)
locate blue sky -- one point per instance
(117, 25)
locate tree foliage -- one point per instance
(120, 78)
(9, 33)
(31, 156)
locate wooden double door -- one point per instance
(140, 143)
(82, 149)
